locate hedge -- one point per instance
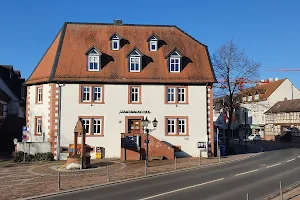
(19, 156)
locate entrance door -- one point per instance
(134, 126)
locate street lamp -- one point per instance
(145, 122)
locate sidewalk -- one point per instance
(25, 180)
(293, 194)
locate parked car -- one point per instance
(254, 137)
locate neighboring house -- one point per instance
(283, 121)
(110, 76)
(257, 100)
(12, 106)
(253, 103)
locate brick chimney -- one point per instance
(118, 22)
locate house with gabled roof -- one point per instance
(12, 106)
(113, 75)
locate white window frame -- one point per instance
(256, 96)
(250, 98)
(135, 64)
(171, 91)
(134, 90)
(182, 125)
(117, 41)
(87, 93)
(84, 124)
(244, 99)
(39, 94)
(39, 124)
(93, 58)
(173, 120)
(179, 64)
(98, 123)
(181, 91)
(95, 93)
(153, 42)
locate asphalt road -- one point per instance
(258, 176)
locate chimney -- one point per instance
(271, 79)
(118, 22)
(276, 79)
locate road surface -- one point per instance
(258, 176)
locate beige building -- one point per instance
(283, 121)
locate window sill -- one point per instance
(90, 102)
(180, 103)
(177, 135)
(92, 135)
(134, 102)
(37, 134)
(38, 102)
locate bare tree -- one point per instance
(231, 66)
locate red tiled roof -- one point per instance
(285, 106)
(65, 60)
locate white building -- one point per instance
(257, 100)
(111, 76)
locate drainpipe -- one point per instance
(59, 122)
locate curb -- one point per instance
(139, 178)
(285, 190)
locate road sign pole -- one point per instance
(247, 196)
(107, 173)
(280, 190)
(24, 158)
(175, 163)
(200, 156)
(58, 181)
(145, 167)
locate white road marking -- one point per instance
(246, 172)
(185, 188)
(298, 156)
(274, 165)
(291, 160)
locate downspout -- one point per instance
(58, 123)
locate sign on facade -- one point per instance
(98, 153)
(71, 149)
(135, 111)
(201, 145)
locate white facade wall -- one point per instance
(34, 147)
(116, 99)
(285, 90)
(38, 110)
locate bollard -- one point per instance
(200, 156)
(107, 173)
(175, 163)
(247, 196)
(280, 190)
(219, 152)
(58, 181)
(145, 167)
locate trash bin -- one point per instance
(223, 150)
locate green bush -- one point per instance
(19, 156)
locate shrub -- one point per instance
(29, 157)
(19, 156)
(49, 156)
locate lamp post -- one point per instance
(145, 122)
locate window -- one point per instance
(134, 64)
(256, 97)
(171, 126)
(93, 59)
(135, 60)
(93, 63)
(174, 64)
(97, 126)
(153, 41)
(86, 94)
(38, 126)
(171, 94)
(39, 94)
(250, 98)
(177, 94)
(181, 95)
(243, 99)
(177, 126)
(93, 126)
(92, 94)
(115, 42)
(86, 125)
(134, 94)
(153, 45)
(97, 94)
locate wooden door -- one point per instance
(134, 126)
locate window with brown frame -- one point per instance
(176, 94)
(176, 126)
(38, 126)
(93, 126)
(39, 94)
(91, 94)
(134, 94)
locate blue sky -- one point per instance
(268, 30)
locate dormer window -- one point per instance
(256, 97)
(243, 99)
(153, 43)
(93, 59)
(250, 97)
(115, 42)
(175, 63)
(135, 60)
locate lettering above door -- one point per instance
(135, 111)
